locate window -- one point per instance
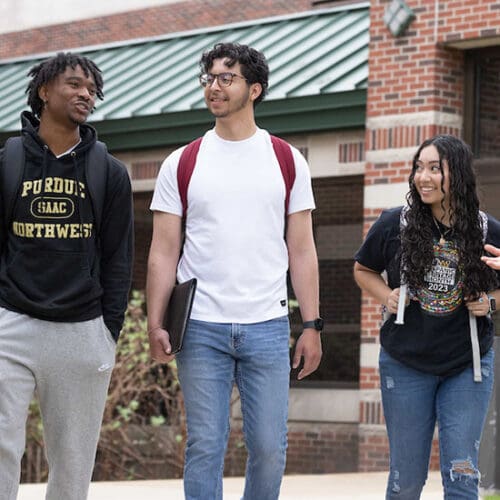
(338, 221)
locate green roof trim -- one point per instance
(318, 77)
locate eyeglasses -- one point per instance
(223, 79)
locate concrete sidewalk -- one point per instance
(366, 486)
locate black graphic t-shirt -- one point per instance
(435, 336)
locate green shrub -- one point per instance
(143, 426)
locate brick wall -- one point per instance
(154, 21)
(337, 224)
(337, 227)
(415, 72)
(338, 200)
(415, 90)
(374, 451)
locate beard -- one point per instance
(232, 106)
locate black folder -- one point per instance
(178, 311)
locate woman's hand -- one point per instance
(480, 306)
(392, 300)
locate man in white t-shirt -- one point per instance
(234, 245)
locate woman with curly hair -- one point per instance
(436, 356)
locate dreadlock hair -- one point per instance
(253, 63)
(417, 251)
(46, 71)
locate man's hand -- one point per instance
(309, 347)
(159, 345)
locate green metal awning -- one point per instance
(318, 76)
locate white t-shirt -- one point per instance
(235, 225)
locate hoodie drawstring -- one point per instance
(44, 169)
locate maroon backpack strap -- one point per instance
(185, 169)
(287, 165)
(187, 162)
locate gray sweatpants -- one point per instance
(69, 366)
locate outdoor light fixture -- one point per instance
(398, 16)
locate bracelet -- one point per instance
(154, 329)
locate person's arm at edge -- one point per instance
(493, 262)
(303, 263)
(162, 265)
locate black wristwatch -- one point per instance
(493, 304)
(317, 324)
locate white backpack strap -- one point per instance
(483, 222)
(476, 353)
(402, 217)
(403, 288)
(400, 316)
(474, 340)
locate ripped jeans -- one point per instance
(413, 402)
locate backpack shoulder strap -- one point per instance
(284, 154)
(11, 173)
(483, 221)
(96, 174)
(402, 217)
(187, 161)
(403, 287)
(476, 353)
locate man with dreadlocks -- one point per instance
(65, 270)
(436, 356)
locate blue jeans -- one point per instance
(413, 401)
(255, 357)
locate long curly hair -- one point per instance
(417, 252)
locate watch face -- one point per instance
(318, 324)
(493, 304)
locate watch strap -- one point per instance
(317, 324)
(308, 324)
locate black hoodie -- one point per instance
(53, 265)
